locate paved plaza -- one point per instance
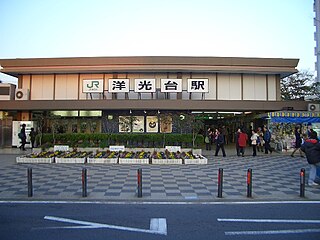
(275, 177)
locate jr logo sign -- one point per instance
(92, 86)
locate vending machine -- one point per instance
(16, 128)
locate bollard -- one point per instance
(84, 182)
(30, 188)
(139, 175)
(220, 181)
(249, 183)
(302, 182)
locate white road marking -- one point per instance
(160, 203)
(266, 220)
(157, 225)
(271, 232)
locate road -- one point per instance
(212, 220)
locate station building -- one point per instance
(96, 94)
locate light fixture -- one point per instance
(130, 111)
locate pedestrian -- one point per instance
(219, 143)
(254, 142)
(311, 147)
(237, 141)
(260, 142)
(267, 139)
(23, 137)
(32, 136)
(243, 138)
(208, 139)
(298, 142)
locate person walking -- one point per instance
(298, 142)
(236, 136)
(208, 139)
(260, 142)
(267, 139)
(32, 136)
(23, 137)
(254, 142)
(311, 147)
(243, 138)
(219, 143)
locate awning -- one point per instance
(294, 117)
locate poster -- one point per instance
(166, 124)
(152, 124)
(138, 124)
(124, 124)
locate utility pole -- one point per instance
(316, 9)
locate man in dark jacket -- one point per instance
(311, 147)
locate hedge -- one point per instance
(103, 140)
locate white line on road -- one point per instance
(157, 225)
(159, 203)
(267, 220)
(271, 232)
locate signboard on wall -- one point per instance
(171, 85)
(198, 85)
(92, 86)
(145, 85)
(119, 85)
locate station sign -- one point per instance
(92, 86)
(167, 85)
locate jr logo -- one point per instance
(94, 84)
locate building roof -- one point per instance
(20, 66)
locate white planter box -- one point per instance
(103, 160)
(166, 161)
(71, 160)
(202, 160)
(133, 161)
(34, 160)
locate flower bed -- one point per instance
(72, 157)
(166, 158)
(42, 157)
(140, 157)
(109, 157)
(114, 157)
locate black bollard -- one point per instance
(220, 182)
(139, 175)
(249, 183)
(30, 188)
(302, 182)
(84, 182)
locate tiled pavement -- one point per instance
(275, 177)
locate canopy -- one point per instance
(294, 117)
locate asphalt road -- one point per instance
(94, 221)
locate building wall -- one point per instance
(221, 86)
(66, 87)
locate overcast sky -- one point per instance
(221, 28)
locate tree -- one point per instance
(315, 91)
(297, 86)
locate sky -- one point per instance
(217, 28)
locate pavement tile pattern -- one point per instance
(275, 177)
